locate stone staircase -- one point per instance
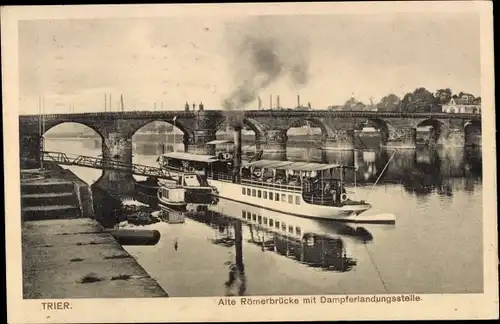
(49, 199)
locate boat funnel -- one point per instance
(237, 153)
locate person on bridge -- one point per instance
(186, 107)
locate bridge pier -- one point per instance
(198, 144)
(275, 141)
(401, 137)
(339, 140)
(473, 136)
(451, 137)
(117, 147)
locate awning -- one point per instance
(266, 164)
(295, 166)
(190, 157)
(216, 142)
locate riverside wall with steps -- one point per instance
(49, 199)
(66, 252)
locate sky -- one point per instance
(168, 61)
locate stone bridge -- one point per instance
(397, 130)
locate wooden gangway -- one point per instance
(107, 164)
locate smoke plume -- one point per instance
(261, 56)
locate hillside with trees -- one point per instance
(419, 100)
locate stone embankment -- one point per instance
(66, 252)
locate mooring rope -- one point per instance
(382, 173)
(376, 268)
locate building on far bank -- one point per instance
(466, 104)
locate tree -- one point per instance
(421, 100)
(443, 95)
(353, 104)
(406, 103)
(349, 104)
(391, 102)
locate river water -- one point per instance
(435, 246)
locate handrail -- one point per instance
(103, 163)
(272, 185)
(256, 183)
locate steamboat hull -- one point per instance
(289, 201)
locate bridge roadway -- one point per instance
(398, 130)
(249, 114)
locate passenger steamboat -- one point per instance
(296, 188)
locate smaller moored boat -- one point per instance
(146, 191)
(172, 197)
(197, 189)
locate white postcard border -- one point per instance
(450, 306)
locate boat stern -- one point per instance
(355, 207)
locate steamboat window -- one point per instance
(271, 222)
(244, 214)
(265, 220)
(290, 229)
(277, 224)
(243, 191)
(260, 219)
(290, 199)
(265, 194)
(297, 230)
(283, 226)
(248, 191)
(259, 194)
(283, 197)
(276, 196)
(254, 217)
(297, 200)
(271, 195)
(253, 192)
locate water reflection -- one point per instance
(420, 171)
(314, 243)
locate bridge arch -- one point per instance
(314, 122)
(49, 126)
(437, 128)
(224, 130)
(155, 137)
(76, 139)
(473, 123)
(473, 133)
(178, 124)
(254, 125)
(382, 126)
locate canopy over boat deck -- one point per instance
(295, 166)
(190, 157)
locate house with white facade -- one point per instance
(466, 104)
